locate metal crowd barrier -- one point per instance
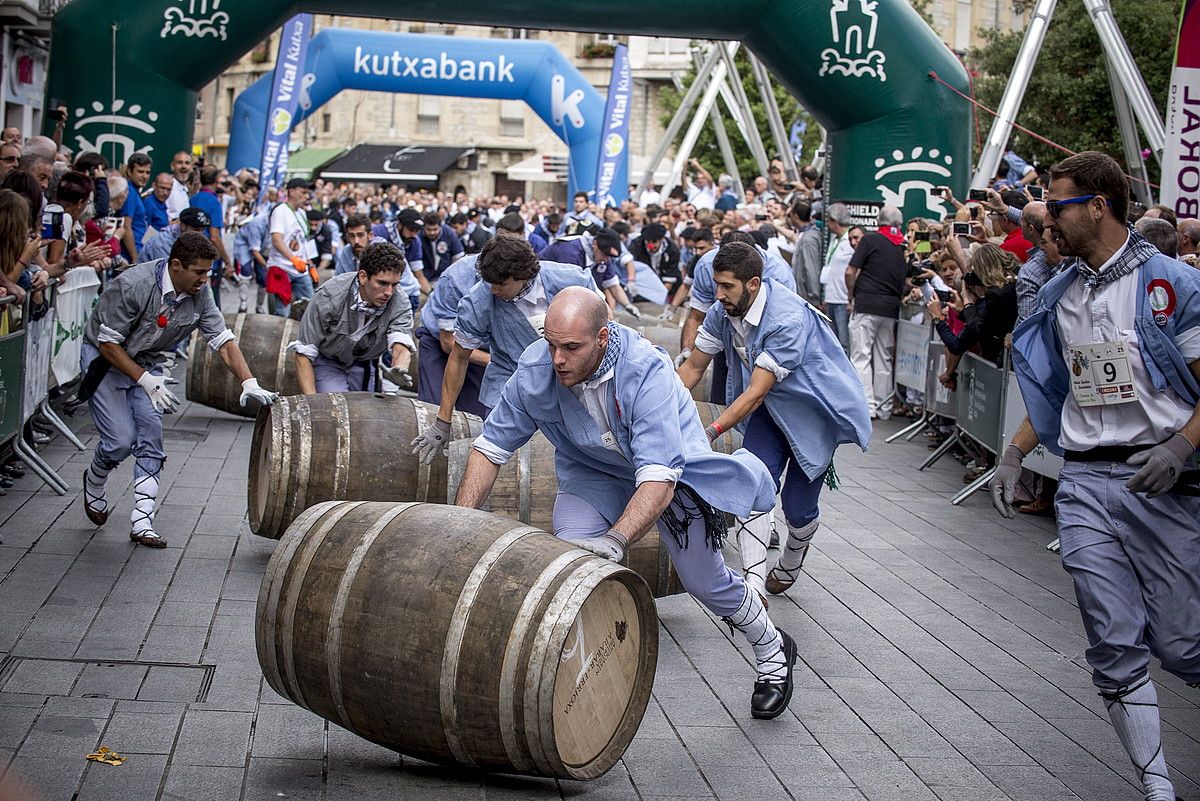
(987, 407)
(34, 387)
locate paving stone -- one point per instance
(288, 732)
(51, 777)
(55, 736)
(193, 783)
(15, 723)
(296, 779)
(142, 732)
(166, 683)
(111, 680)
(213, 739)
(43, 677)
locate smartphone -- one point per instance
(943, 295)
(1036, 192)
(974, 212)
(978, 195)
(921, 236)
(960, 228)
(52, 223)
(941, 190)
(761, 217)
(923, 246)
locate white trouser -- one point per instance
(872, 341)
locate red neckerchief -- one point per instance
(892, 234)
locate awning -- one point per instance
(303, 163)
(412, 164)
(540, 167)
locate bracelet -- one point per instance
(717, 427)
(24, 264)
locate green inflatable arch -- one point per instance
(860, 66)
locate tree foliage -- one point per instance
(1069, 100)
(707, 150)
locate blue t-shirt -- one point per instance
(157, 216)
(135, 210)
(204, 199)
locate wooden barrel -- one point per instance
(457, 636)
(263, 339)
(527, 485)
(666, 336)
(341, 446)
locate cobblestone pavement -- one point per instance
(942, 658)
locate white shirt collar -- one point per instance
(166, 285)
(1113, 258)
(608, 376)
(755, 312)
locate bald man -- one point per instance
(1189, 241)
(630, 454)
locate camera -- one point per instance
(917, 270)
(1036, 192)
(977, 195)
(960, 228)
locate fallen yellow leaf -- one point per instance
(106, 756)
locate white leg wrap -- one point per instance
(792, 558)
(752, 621)
(94, 479)
(145, 495)
(753, 538)
(1134, 715)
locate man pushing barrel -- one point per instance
(795, 396)
(630, 454)
(352, 319)
(505, 312)
(140, 317)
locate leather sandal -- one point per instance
(97, 516)
(149, 539)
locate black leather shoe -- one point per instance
(770, 699)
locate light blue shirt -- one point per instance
(652, 418)
(501, 327)
(817, 401)
(345, 262)
(441, 310)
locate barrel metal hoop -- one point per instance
(281, 359)
(302, 456)
(341, 465)
(269, 591)
(423, 470)
(512, 654)
(333, 638)
(300, 571)
(544, 660)
(282, 502)
(664, 566)
(457, 633)
(524, 480)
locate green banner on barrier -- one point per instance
(981, 390)
(12, 370)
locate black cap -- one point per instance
(316, 214)
(472, 213)
(409, 218)
(195, 217)
(509, 209)
(654, 232)
(299, 183)
(609, 242)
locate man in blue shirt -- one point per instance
(405, 233)
(207, 200)
(134, 211)
(157, 216)
(440, 246)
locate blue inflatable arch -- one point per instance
(503, 69)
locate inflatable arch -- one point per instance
(860, 66)
(505, 69)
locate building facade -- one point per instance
(24, 54)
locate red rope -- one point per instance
(1020, 128)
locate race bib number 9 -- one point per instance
(1100, 374)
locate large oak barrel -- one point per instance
(341, 446)
(457, 636)
(263, 339)
(666, 336)
(526, 487)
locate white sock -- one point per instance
(753, 537)
(261, 301)
(752, 621)
(145, 494)
(94, 480)
(792, 558)
(1135, 717)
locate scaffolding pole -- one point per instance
(774, 119)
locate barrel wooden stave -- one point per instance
(341, 446)
(263, 340)
(418, 666)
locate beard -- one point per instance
(742, 306)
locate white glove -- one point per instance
(430, 442)
(399, 377)
(251, 389)
(610, 545)
(668, 312)
(682, 357)
(163, 399)
(634, 311)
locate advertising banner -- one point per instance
(285, 98)
(981, 388)
(912, 354)
(615, 142)
(76, 296)
(1180, 165)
